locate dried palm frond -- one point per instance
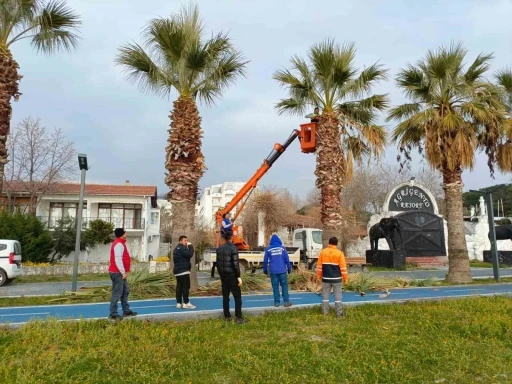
(504, 157)
(143, 285)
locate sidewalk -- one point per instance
(211, 306)
(48, 289)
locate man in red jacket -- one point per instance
(118, 271)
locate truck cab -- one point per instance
(309, 242)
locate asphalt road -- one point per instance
(159, 309)
(43, 289)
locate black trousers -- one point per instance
(182, 289)
(230, 285)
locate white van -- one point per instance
(10, 261)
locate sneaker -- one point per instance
(288, 304)
(239, 320)
(179, 306)
(188, 306)
(341, 315)
(276, 305)
(228, 319)
(115, 317)
(131, 313)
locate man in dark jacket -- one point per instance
(229, 272)
(277, 256)
(181, 257)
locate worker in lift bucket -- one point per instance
(227, 225)
(315, 116)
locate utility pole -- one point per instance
(82, 163)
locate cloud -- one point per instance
(124, 131)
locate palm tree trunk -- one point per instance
(185, 167)
(330, 172)
(458, 260)
(8, 88)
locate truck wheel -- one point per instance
(312, 266)
(242, 269)
(3, 277)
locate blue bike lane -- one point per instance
(161, 309)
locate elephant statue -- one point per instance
(503, 232)
(384, 229)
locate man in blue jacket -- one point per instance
(277, 256)
(227, 225)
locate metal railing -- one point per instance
(126, 223)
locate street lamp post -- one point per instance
(492, 233)
(82, 163)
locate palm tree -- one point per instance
(346, 130)
(50, 26)
(177, 56)
(453, 112)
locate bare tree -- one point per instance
(39, 158)
(370, 185)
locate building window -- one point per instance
(128, 216)
(154, 217)
(59, 211)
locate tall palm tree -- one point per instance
(177, 56)
(453, 112)
(50, 26)
(346, 130)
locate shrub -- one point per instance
(36, 241)
(64, 235)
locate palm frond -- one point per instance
(407, 133)
(301, 92)
(404, 111)
(480, 66)
(375, 137)
(366, 80)
(166, 40)
(444, 63)
(219, 76)
(141, 69)
(504, 80)
(414, 84)
(17, 19)
(292, 106)
(55, 28)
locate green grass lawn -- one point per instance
(484, 264)
(457, 341)
(61, 278)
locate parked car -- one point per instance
(10, 261)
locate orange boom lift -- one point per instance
(307, 138)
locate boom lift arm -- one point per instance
(307, 138)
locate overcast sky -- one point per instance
(124, 132)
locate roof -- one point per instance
(90, 189)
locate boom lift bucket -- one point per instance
(308, 137)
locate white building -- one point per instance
(214, 198)
(132, 207)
